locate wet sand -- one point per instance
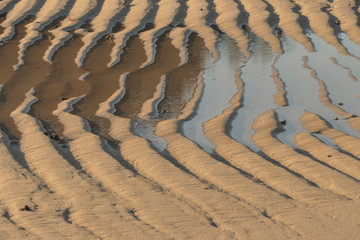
(207, 119)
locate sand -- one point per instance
(169, 119)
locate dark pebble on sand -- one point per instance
(25, 208)
(63, 99)
(55, 136)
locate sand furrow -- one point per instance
(8, 53)
(80, 11)
(182, 149)
(314, 123)
(149, 108)
(228, 178)
(328, 155)
(166, 12)
(153, 165)
(6, 5)
(280, 96)
(181, 81)
(179, 37)
(319, 22)
(9, 229)
(354, 123)
(101, 24)
(20, 11)
(152, 203)
(141, 84)
(266, 127)
(288, 21)
(18, 83)
(258, 23)
(278, 208)
(55, 84)
(245, 218)
(44, 220)
(228, 13)
(343, 10)
(86, 204)
(154, 206)
(48, 13)
(101, 80)
(240, 156)
(195, 20)
(132, 23)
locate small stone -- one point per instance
(109, 36)
(283, 122)
(336, 118)
(25, 208)
(337, 22)
(245, 27)
(63, 98)
(163, 110)
(329, 156)
(55, 137)
(278, 31)
(340, 103)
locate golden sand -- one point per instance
(142, 119)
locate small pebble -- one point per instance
(63, 98)
(25, 208)
(336, 118)
(329, 156)
(340, 103)
(55, 136)
(283, 122)
(163, 110)
(109, 36)
(278, 31)
(245, 27)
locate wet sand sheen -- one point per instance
(22, 81)
(142, 83)
(59, 84)
(166, 119)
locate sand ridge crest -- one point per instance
(169, 119)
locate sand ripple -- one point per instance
(206, 119)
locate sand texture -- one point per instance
(180, 119)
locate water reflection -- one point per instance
(303, 90)
(219, 88)
(259, 89)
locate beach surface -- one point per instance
(180, 119)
